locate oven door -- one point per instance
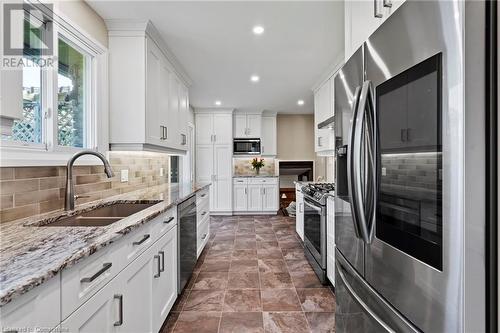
(315, 231)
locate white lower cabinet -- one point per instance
(299, 213)
(165, 285)
(255, 195)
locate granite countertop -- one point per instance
(31, 254)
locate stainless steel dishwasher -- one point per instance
(187, 237)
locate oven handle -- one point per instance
(312, 205)
(364, 192)
(350, 171)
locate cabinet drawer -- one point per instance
(203, 233)
(240, 180)
(202, 212)
(39, 307)
(202, 197)
(163, 223)
(266, 180)
(82, 281)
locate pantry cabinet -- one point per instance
(214, 152)
(256, 195)
(362, 18)
(149, 100)
(247, 125)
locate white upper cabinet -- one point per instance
(149, 99)
(247, 125)
(324, 109)
(268, 140)
(362, 18)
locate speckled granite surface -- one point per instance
(31, 254)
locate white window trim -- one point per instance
(14, 154)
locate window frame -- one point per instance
(49, 152)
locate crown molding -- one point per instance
(331, 71)
(214, 110)
(145, 28)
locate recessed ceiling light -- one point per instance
(254, 78)
(300, 102)
(258, 30)
(218, 103)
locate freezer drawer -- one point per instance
(360, 308)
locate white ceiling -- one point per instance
(214, 43)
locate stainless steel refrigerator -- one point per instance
(409, 207)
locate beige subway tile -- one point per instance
(6, 201)
(52, 182)
(35, 172)
(88, 188)
(88, 179)
(18, 186)
(21, 199)
(51, 205)
(91, 197)
(6, 173)
(18, 212)
(110, 193)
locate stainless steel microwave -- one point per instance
(246, 147)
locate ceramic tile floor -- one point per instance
(253, 277)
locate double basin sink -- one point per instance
(101, 216)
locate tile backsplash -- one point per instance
(419, 170)
(242, 166)
(27, 191)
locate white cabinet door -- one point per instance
(223, 178)
(268, 142)
(204, 129)
(155, 105)
(323, 109)
(270, 198)
(240, 126)
(299, 215)
(135, 283)
(204, 163)
(254, 124)
(99, 314)
(173, 131)
(254, 198)
(183, 116)
(223, 129)
(240, 201)
(165, 286)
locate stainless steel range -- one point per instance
(315, 197)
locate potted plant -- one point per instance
(257, 164)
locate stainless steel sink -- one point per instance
(100, 216)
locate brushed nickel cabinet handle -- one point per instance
(388, 3)
(204, 213)
(144, 238)
(119, 297)
(376, 14)
(162, 254)
(157, 275)
(104, 268)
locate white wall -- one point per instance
(80, 14)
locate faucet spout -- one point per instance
(69, 198)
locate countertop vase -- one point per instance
(257, 171)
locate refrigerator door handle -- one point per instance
(350, 170)
(364, 189)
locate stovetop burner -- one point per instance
(318, 191)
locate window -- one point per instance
(72, 107)
(58, 101)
